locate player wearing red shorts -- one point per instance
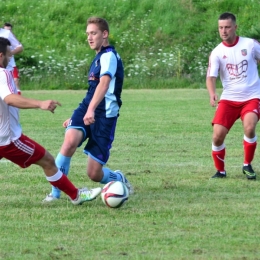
(235, 60)
(20, 149)
(15, 71)
(16, 48)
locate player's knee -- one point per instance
(73, 137)
(47, 161)
(68, 148)
(94, 175)
(218, 139)
(249, 130)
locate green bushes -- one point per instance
(159, 41)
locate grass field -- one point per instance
(163, 145)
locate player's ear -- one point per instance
(105, 34)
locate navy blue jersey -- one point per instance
(106, 62)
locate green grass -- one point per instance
(163, 145)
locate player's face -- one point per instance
(8, 28)
(227, 30)
(5, 58)
(96, 37)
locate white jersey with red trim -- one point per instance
(237, 67)
(10, 128)
(14, 43)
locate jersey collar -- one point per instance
(231, 45)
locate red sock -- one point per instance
(219, 159)
(66, 186)
(249, 151)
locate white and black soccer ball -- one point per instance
(114, 194)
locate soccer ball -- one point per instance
(114, 194)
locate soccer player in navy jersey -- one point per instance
(235, 59)
(95, 119)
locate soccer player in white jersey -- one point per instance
(20, 149)
(16, 47)
(235, 60)
(9, 26)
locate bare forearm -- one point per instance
(17, 50)
(21, 101)
(100, 92)
(26, 103)
(98, 97)
(211, 86)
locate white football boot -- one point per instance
(85, 194)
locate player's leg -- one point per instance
(98, 173)
(250, 138)
(225, 116)
(249, 120)
(76, 133)
(26, 151)
(60, 180)
(98, 151)
(219, 150)
(72, 139)
(16, 79)
(55, 176)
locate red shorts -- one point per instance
(229, 111)
(15, 73)
(23, 151)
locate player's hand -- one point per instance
(89, 118)
(213, 100)
(66, 123)
(49, 105)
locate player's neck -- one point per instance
(231, 42)
(103, 45)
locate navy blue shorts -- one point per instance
(100, 135)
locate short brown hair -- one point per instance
(100, 22)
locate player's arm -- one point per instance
(17, 46)
(211, 78)
(108, 63)
(26, 103)
(211, 86)
(17, 50)
(98, 96)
